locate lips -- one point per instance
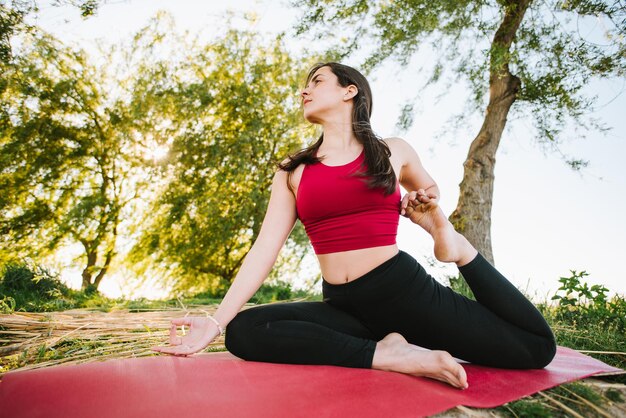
(305, 101)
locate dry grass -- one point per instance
(33, 340)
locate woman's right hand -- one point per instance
(416, 203)
(201, 332)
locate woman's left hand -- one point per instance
(201, 332)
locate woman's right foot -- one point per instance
(394, 353)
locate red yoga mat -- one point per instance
(220, 385)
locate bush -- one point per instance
(273, 292)
(581, 304)
(25, 286)
(586, 318)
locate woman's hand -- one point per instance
(201, 332)
(416, 203)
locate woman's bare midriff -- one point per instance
(345, 266)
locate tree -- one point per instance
(176, 145)
(528, 53)
(66, 161)
(229, 111)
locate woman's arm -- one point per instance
(414, 178)
(279, 220)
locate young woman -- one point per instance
(381, 309)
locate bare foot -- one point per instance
(393, 353)
(450, 246)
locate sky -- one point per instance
(546, 218)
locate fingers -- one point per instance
(181, 321)
(413, 205)
(405, 202)
(178, 350)
(415, 198)
(194, 341)
(174, 339)
(180, 346)
(424, 197)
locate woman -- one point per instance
(381, 309)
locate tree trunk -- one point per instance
(472, 216)
(88, 271)
(103, 270)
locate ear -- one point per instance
(351, 91)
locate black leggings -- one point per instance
(501, 329)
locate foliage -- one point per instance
(586, 318)
(522, 59)
(528, 408)
(459, 285)
(65, 157)
(173, 149)
(29, 287)
(585, 305)
(13, 12)
(229, 112)
(550, 54)
(11, 19)
(267, 293)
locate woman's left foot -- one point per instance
(450, 246)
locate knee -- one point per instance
(543, 354)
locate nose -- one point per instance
(304, 93)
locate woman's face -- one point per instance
(323, 95)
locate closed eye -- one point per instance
(316, 79)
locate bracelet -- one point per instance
(219, 327)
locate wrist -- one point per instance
(217, 324)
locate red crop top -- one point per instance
(341, 213)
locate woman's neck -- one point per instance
(339, 136)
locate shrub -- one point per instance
(273, 292)
(25, 286)
(581, 304)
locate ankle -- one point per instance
(467, 254)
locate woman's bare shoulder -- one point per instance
(399, 147)
(290, 179)
(396, 141)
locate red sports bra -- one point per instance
(341, 213)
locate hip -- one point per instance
(400, 276)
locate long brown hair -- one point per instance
(379, 171)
